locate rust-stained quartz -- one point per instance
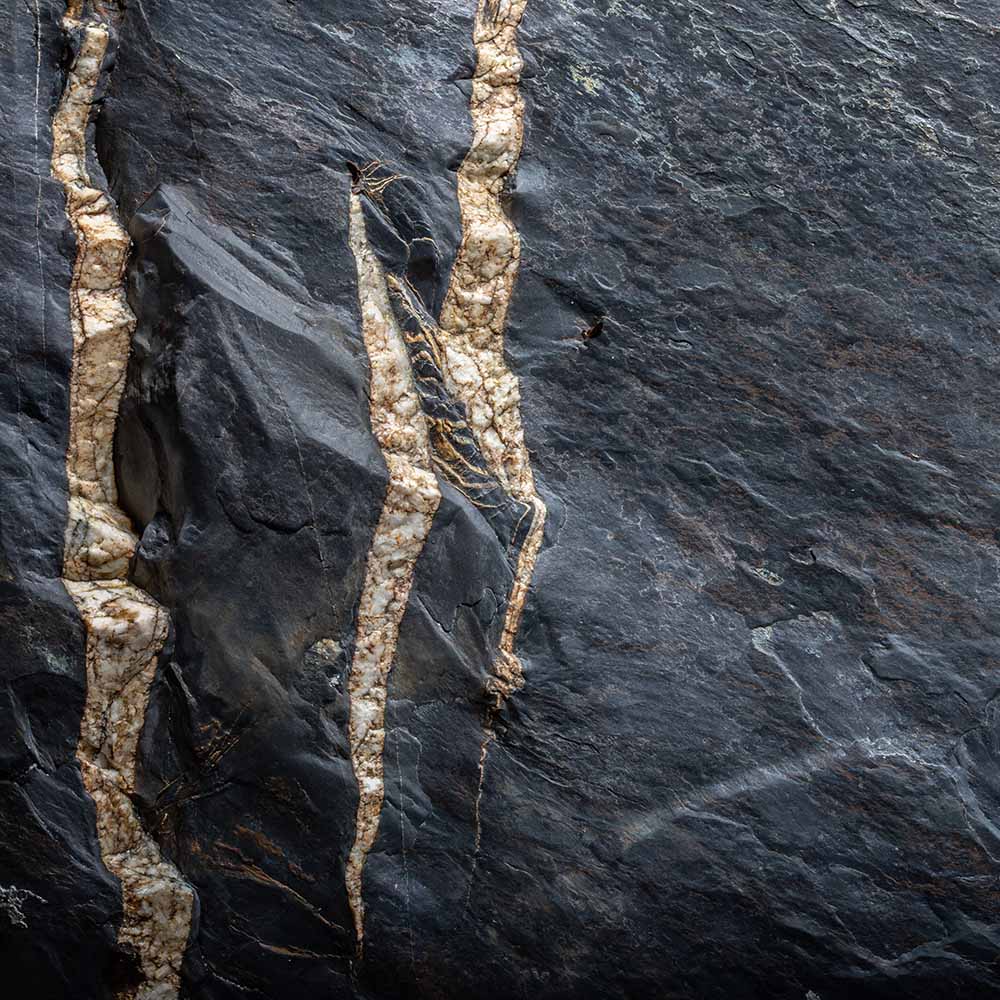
(126, 628)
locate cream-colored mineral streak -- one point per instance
(411, 499)
(474, 314)
(472, 324)
(126, 628)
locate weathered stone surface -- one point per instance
(750, 748)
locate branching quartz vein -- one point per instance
(470, 428)
(412, 497)
(126, 628)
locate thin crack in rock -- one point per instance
(411, 499)
(126, 628)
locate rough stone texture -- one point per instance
(754, 327)
(57, 941)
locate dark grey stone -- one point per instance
(755, 327)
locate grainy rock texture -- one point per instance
(736, 282)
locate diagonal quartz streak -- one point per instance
(474, 314)
(126, 628)
(411, 499)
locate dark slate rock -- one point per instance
(755, 327)
(247, 775)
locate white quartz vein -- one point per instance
(126, 628)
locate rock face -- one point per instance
(520, 517)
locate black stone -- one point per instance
(757, 751)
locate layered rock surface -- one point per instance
(750, 749)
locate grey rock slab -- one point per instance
(755, 331)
